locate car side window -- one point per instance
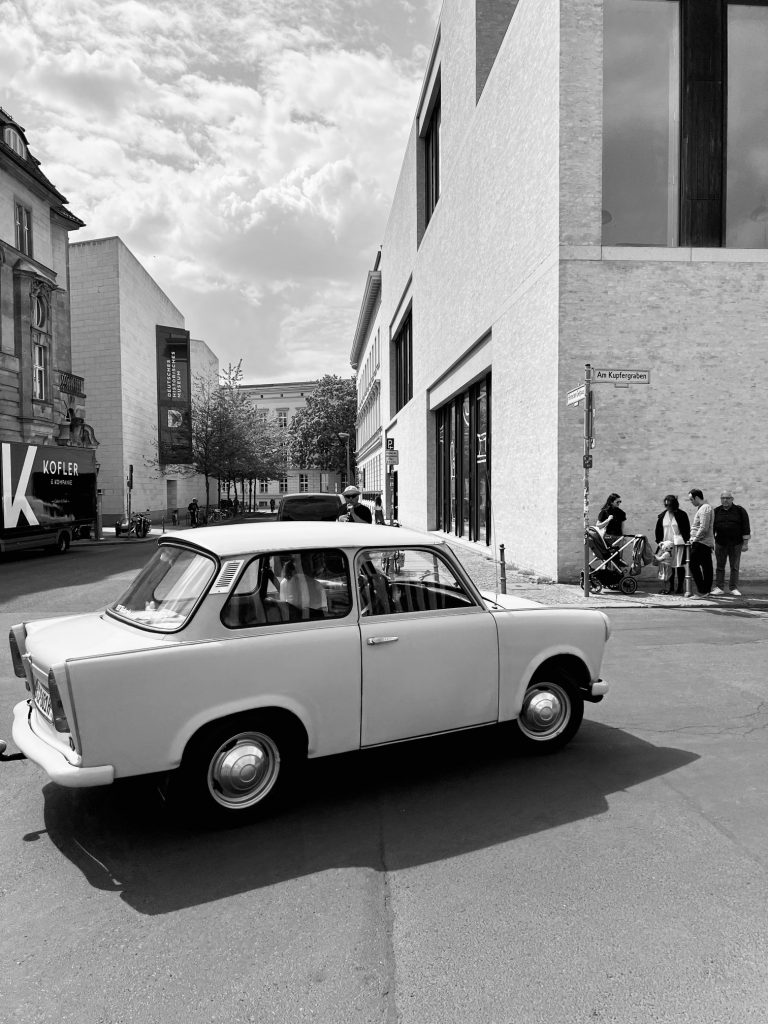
(395, 580)
(290, 586)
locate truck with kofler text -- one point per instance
(47, 495)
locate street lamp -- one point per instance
(345, 437)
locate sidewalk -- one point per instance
(484, 571)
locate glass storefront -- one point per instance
(464, 464)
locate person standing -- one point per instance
(732, 533)
(378, 511)
(614, 516)
(356, 513)
(674, 527)
(702, 542)
(193, 510)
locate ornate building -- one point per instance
(41, 400)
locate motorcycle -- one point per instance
(139, 525)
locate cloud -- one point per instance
(245, 152)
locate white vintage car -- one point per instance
(240, 651)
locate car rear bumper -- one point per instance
(595, 691)
(53, 763)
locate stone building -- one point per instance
(116, 310)
(585, 183)
(41, 400)
(280, 402)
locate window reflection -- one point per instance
(746, 218)
(641, 103)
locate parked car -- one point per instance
(317, 506)
(236, 654)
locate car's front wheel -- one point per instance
(550, 716)
(235, 771)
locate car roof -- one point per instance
(330, 495)
(244, 538)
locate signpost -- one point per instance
(393, 457)
(583, 393)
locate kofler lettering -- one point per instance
(59, 468)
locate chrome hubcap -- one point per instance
(545, 711)
(243, 770)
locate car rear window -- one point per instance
(167, 590)
(314, 508)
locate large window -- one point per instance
(685, 122)
(432, 162)
(41, 330)
(23, 229)
(402, 345)
(463, 464)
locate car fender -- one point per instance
(525, 644)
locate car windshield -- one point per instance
(167, 589)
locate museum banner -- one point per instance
(174, 400)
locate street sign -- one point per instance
(621, 377)
(393, 457)
(390, 444)
(577, 395)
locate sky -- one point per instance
(246, 152)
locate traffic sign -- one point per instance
(390, 444)
(577, 395)
(621, 377)
(393, 457)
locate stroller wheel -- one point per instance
(628, 585)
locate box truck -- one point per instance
(48, 495)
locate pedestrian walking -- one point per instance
(378, 511)
(732, 534)
(673, 528)
(194, 512)
(702, 542)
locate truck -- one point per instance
(47, 496)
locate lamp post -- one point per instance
(345, 437)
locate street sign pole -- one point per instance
(588, 421)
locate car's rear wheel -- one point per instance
(235, 771)
(62, 542)
(550, 717)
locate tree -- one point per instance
(331, 409)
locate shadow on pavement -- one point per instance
(385, 809)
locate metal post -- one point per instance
(688, 577)
(587, 460)
(502, 570)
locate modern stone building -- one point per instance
(38, 391)
(280, 401)
(365, 358)
(585, 182)
(116, 308)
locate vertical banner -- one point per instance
(174, 403)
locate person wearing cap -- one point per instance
(731, 528)
(356, 513)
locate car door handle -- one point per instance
(382, 639)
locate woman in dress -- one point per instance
(674, 527)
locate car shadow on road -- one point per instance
(384, 809)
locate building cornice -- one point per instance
(368, 307)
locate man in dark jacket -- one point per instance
(732, 534)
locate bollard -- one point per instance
(503, 570)
(688, 577)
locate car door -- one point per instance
(429, 652)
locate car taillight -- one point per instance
(59, 715)
(18, 664)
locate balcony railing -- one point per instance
(71, 384)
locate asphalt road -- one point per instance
(622, 880)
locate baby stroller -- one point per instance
(607, 568)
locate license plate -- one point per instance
(43, 701)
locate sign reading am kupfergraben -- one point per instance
(174, 405)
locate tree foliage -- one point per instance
(331, 409)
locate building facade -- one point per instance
(41, 400)
(116, 310)
(365, 358)
(279, 402)
(584, 184)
